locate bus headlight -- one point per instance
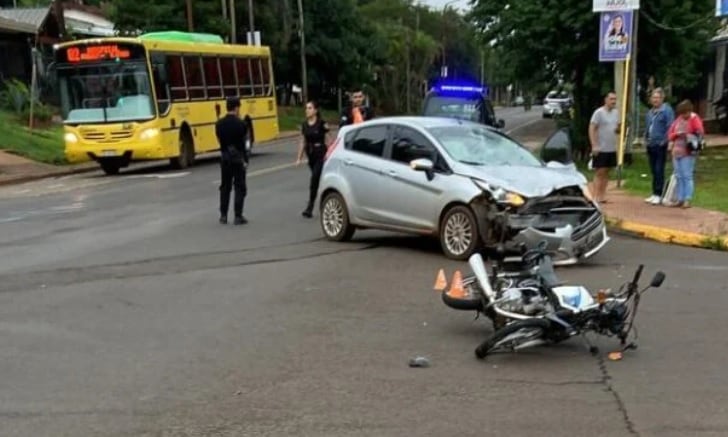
(148, 134)
(70, 138)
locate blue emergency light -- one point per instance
(460, 89)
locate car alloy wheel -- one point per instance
(459, 233)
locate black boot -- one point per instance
(308, 212)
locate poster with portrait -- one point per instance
(615, 36)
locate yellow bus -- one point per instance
(158, 96)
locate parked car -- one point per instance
(467, 184)
(556, 103)
(462, 102)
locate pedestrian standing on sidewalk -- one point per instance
(313, 143)
(603, 130)
(356, 112)
(685, 133)
(232, 133)
(658, 122)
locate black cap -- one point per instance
(232, 103)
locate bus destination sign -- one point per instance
(97, 53)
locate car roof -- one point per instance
(422, 122)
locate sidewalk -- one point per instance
(694, 227)
(16, 169)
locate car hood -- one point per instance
(526, 181)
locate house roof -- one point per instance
(24, 19)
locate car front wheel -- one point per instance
(459, 236)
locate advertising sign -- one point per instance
(615, 36)
(615, 5)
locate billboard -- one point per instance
(615, 36)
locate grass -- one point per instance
(291, 117)
(44, 144)
(711, 177)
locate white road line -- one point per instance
(520, 126)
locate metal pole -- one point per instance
(634, 132)
(304, 78)
(622, 123)
(190, 21)
(233, 30)
(251, 20)
(223, 4)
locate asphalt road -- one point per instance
(126, 310)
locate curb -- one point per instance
(669, 236)
(51, 174)
(21, 179)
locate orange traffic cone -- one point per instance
(457, 290)
(441, 281)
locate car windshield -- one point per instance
(460, 107)
(105, 93)
(478, 145)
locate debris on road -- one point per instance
(419, 362)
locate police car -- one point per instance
(465, 102)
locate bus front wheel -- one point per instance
(186, 157)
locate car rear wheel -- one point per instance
(335, 218)
(459, 236)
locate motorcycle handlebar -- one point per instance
(637, 275)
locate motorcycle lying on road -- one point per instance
(506, 274)
(533, 307)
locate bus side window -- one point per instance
(265, 69)
(257, 77)
(229, 78)
(212, 77)
(176, 77)
(161, 82)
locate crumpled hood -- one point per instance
(527, 181)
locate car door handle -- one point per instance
(348, 162)
(392, 173)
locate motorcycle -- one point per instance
(541, 310)
(506, 274)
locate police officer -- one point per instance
(232, 133)
(356, 112)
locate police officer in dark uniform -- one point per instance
(313, 144)
(356, 112)
(232, 133)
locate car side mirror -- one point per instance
(558, 148)
(657, 280)
(425, 165)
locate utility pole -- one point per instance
(304, 78)
(251, 20)
(190, 21)
(233, 31)
(223, 4)
(634, 131)
(408, 78)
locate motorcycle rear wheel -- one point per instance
(513, 335)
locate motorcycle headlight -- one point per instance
(501, 195)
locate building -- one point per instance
(25, 29)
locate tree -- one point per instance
(551, 39)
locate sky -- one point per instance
(438, 4)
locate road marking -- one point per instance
(267, 170)
(520, 126)
(158, 175)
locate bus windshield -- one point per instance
(105, 92)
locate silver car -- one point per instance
(462, 182)
(556, 104)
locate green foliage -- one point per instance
(15, 96)
(544, 41)
(348, 42)
(43, 144)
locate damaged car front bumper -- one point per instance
(572, 226)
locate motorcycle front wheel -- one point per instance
(513, 335)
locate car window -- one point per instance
(462, 107)
(370, 140)
(478, 145)
(408, 145)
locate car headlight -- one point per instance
(70, 137)
(500, 195)
(148, 134)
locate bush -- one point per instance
(15, 96)
(41, 112)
